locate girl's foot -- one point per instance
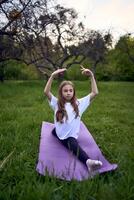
(92, 165)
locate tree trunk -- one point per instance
(94, 66)
(2, 76)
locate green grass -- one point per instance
(110, 119)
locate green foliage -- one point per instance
(104, 72)
(120, 58)
(19, 71)
(118, 65)
(74, 73)
(119, 62)
(109, 119)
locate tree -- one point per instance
(126, 46)
(41, 31)
(52, 32)
(122, 58)
(10, 12)
(46, 34)
(95, 46)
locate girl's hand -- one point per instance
(85, 71)
(58, 71)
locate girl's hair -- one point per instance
(61, 112)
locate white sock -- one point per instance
(91, 164)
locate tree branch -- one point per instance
(14, 19)
(3, 1)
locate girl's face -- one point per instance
(67, 92)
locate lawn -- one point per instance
(110, 119)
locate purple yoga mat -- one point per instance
(58, 161)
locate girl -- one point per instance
(67, 114)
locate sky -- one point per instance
(114, 15)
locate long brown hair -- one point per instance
(61, 112)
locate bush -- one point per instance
(16, 70)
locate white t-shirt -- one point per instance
(71, 126)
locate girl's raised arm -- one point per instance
(47, 89)
(94, 89)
